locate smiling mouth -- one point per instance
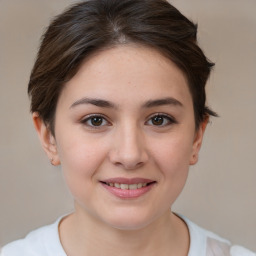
(128, 186)
(124, 188)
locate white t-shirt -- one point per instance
(45, 241)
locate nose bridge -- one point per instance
(129, 147)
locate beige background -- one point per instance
(220, 194)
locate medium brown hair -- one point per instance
(90, 26)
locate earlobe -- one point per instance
(198, 141)
(46, 138)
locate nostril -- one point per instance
(129, 166)
(130, 154)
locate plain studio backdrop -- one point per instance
(220, 194)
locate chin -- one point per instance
(128, 221)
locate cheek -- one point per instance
(80, 159)
(171, 159)
(174, 165)
(173, 153)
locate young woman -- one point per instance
(118, 100)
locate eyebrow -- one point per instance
(96, 102)
(107, 104)
(161, 102)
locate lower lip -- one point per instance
(128, 193)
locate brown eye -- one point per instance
(161, 120)
(96, 121)
(157, 120)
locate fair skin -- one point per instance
(127, 118)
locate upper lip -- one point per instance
(128, 181)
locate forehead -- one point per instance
(127, 72)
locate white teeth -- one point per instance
(133, 186)
(124, 186)
(117, 185)
(127, 186)
(140, 185)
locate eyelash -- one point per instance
(89, 118)
(168, 120)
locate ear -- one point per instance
(198, 141)
(46, 138)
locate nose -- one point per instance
(129, 148)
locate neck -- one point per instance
(83, 235)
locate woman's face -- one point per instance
(125, 136)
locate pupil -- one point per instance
(158, 120)
(96, 121)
